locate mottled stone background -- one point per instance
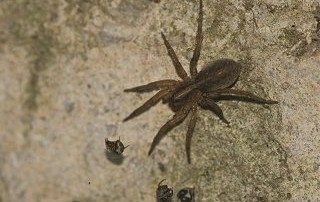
(64, 65)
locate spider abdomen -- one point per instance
(219, 74)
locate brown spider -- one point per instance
(212, 84)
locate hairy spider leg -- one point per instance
(198, 44)
(176, 63)
(176, 120)
(148, 104)
(209, 104)
(156, 85)
(232, 94)
(191, 126)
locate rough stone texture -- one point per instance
(64, 65)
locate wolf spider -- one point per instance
(201, 89)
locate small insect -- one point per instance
(116, 147)
(186, 195)
(199, 89)
(164, 193)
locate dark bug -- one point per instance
(199, 89)
(164, 193)
(186, 195)
(116, 147)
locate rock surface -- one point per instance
(64, 65)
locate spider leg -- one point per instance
(192, 124)
(198, 44)
(148, 104)
(177, 119)
(156, 85)
(177, 65)
(232, 94)
(212, 106)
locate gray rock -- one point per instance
(78, 56)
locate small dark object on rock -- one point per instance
(116, 147)
(186, 195)
(155, 1)
(164, 193)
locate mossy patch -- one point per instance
(41, 47)
(28, 30)
(290, 36)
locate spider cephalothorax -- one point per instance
(201, 89)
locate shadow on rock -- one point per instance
(114, 158)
